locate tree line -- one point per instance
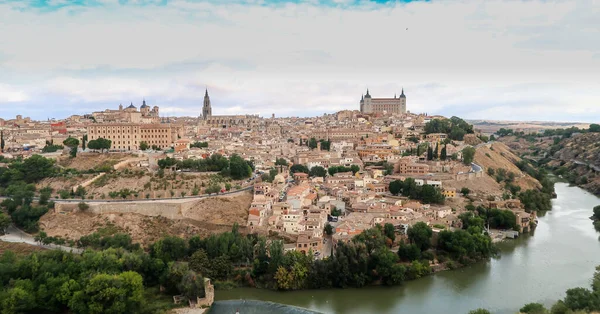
(117, 276)
(234, 166)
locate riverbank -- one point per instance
(564, 244)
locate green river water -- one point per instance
(561, 254)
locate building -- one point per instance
(383, 105)
(128, 115)
(228, 121)
(128, 136)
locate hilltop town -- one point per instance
(314, 182)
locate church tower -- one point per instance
(206, 108)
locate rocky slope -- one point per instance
(577, 159)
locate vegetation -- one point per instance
(455, 127)
(409, 188)
(298, 168)
(317, 171)
(199, 144)
(234, 166)
(335, 169)
(468, 155)
(72, 143)
(51, 148)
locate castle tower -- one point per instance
(206, 108)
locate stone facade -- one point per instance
(227, 121)
(396, 105)
(128, 115)
(128, 136)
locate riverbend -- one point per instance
(561, 254)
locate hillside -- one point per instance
(498, 156)
(205, 217)
(577, 159)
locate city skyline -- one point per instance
(497, 60)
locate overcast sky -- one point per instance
(517, 60)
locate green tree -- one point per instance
(72, 143)
(389, 231)
(429, 153)
(191, 285)
(594, 128)
(465, 191)
(597, 212)
(144, 145)
(299, 168)
(328, 229)
(395, 187)
(122, 293)
(468, 155)
(83, 141)
(317, 171)
(169, 249)
(312, 143)
(534, 308)
(444, 153)
(420, 234)
(2, 141)
(4, 223)
(479, 311)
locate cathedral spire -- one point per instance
(206, 92)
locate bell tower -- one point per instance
(206, 108)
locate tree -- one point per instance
(299, 168)
(534, 308)
(468, 155)
(4, 223)
(465, 191)
(389, 231)
(100, 144)
(594, 128)
(429, 153)
(317, 171)
(312, 143)
(83, 141)
(479, 311)
(144, 145)
(191, 285)
(122, 293)
(328, 229)
(2, 141)
(444, 153)
(395, 187)
(420, 234)
(72, 143)
(281, 162)
(597, 212)
(169, 249)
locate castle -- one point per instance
(396, 105)
(226, 121)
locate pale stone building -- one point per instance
(225, 121)
(129, 114)
(128, 136)
(395, 105)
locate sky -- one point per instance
(490, 59)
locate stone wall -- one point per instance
(165, 209)
(209, 294)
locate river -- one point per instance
(561, 254)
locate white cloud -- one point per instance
(10, 94)
(300, 58)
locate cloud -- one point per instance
(11, 94)
(470, 58)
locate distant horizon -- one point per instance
(502, 59)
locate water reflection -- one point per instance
(562, 254)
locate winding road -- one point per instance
(16, 235)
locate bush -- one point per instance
(83, 206)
